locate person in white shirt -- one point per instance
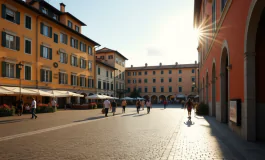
(33, 108)
(106, 106)
(148, 105)
(54, 104)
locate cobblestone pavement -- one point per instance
(81, 135)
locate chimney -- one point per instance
(145, 64)
(62, 7)
(195, 62)
(176, 63)
(160, 64)
(131, 66)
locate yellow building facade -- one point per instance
(50, 46)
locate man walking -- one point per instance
(123, 104)
(113, 106)
(165, 104)
(106, 106)
(138, 105)
(53, 102)
(33, 108)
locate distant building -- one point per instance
(116, 60)
(162, 82)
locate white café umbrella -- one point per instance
(5, 91)
(17, 90)
(41, 93)
(127, 98)
(95, 96)
(56, 93)
(75, 94)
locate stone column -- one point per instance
(249, 109)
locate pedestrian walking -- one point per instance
(33, 108)
(142, 104)
(138, 105)
(53, 102)
(123, 104)
(20, 107)
(165, 104)
(106, 106)
(148, 106)
(113, 106)
(189, 105)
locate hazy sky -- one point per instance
(144, 31)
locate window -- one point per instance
(82, 47)
(108, 86)
(162, 89)
(73, 80)
(82, 63)
(214, 16)
(134, 73)
(63, 57)
(46, 30)
(162, 80)
(170, 72)
(55, 16)
(110, 57)
(90, 83)
(27, 72)
(27, 22)
(46, 52)
(129, 89)
(180, 89)
(129, 73)
(70, 24)
(44, 10)
(145, 89)
(90, 65)
(90, 50)
(99, 84)
(154, 80)
(192, 71)
(10, 14)
(134, 81)
(74, 61)
(102, 57)
(154, 72)
(129, 81)
(98, 71)
(223, 3)
(162, 72)
(112, 87)
(46, 75)
(169, 79)
(139, 73)
(82, 81)
(122, 75)
(193, 79)
(10, 41)
(77, 28)
(104, 85)
(139, 81)
(8, 70)
(140, 89)
(74, 43)
(145, 81)
(107, 73)
(154, 89)
(63, 78)
(180, 71)
(63, 38)
(145, 73)
(192, 89)
(180, 79)
(169, 89)
(27, 46)
(55, 39)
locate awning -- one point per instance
(16, 90)
(75, 94)
(95, 96)
(181, 96)
(5, 91)
(56, 93)
(127, 98)
(41, 93)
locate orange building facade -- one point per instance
(50, 46)
(230, 63)
(162, 82)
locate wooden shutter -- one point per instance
(50, 76)
(66, 39)
(85, 83)
(92, 83)
(76, 44)
(17, 43)
(77, 80)
(71, 79)
(3, 69)
(4, 39)
(41, 50)
(3, 11)
(42, 75)
(71, 57)
(80, 45)
(71, 43)
(29, 46)
(18, 17)
(41, 27)
(60, 77)
(66, 78)
(80, 62)
(66, 58)
(29, 72)
(55, 38)
(50, 32)
(50, 53)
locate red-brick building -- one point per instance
(231, 53)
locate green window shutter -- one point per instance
(18, 17)
(4, 39)
(17, 71)
(17, 43)
(80, 62)
(41, 27)
(71, 79)
(85, 63)
(42, 75)
(76, 44)
(50, 32)
(66, 58)
(3, 11)
(85, 47)
(60, 78)
(50, 52)
(29, 73)
(85, 82)
(3, 69)
(55, 38)
(29, 47)
(71, 44)
(92, 83)
(41, 50)
(50, 76)
(71, 57)
(77, 80)
(28, 22)
(66, 77)
(26, 72)
(80, 46)
(66, 39)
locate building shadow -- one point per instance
(12, 121)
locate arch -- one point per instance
(224, 82)
(162, 98)
(213, 89)
(146, 97)
(154, 99)
(170, 97)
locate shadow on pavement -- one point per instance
(12, 121)
(139, 115)
(90, 118)
(128, 115)
(189, 123)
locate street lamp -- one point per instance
(20, 66)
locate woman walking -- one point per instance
(142, 104)
(189, 105)
(123, 104)
(148, 106)
(138, 105)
